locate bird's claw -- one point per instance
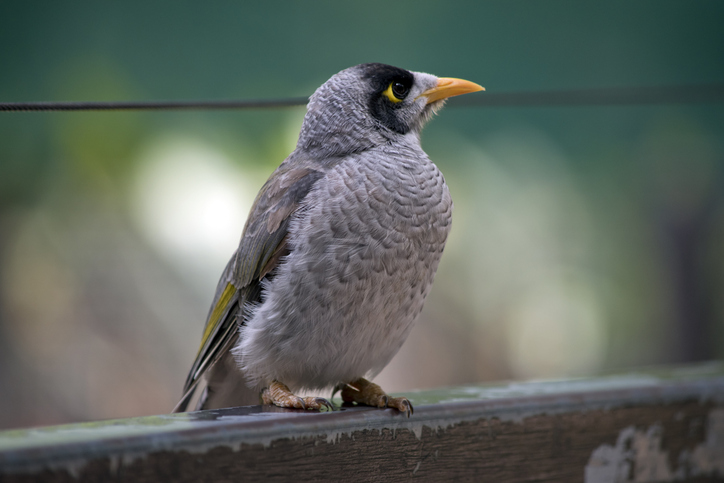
(323, 403)
(336, 389)
(368, 393)
(402, 404)
(280, 395)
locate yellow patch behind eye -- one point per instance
(390, 95)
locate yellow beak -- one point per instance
(448, 87)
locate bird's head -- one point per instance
(370, 104)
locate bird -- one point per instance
(337, 255)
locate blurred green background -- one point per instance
(585, 239)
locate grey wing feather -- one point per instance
(263, 243)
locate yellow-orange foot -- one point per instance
(279, 394)
(368, 393)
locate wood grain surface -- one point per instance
(657, 429)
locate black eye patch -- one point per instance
(388, 87)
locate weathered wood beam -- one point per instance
(650, 426)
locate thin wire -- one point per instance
(151, 105)
(607, 96)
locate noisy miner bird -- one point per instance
(338, 253)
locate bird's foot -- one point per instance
(279, 395)
(368, 393)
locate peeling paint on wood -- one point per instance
(638, 455)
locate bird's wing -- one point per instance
(263, 243)
(264, 239)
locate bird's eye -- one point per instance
(396, 91)
(400, 90)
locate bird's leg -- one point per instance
(279, 394)
(368, 393)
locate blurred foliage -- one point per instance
(585, 238)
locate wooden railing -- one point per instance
(665, 425)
